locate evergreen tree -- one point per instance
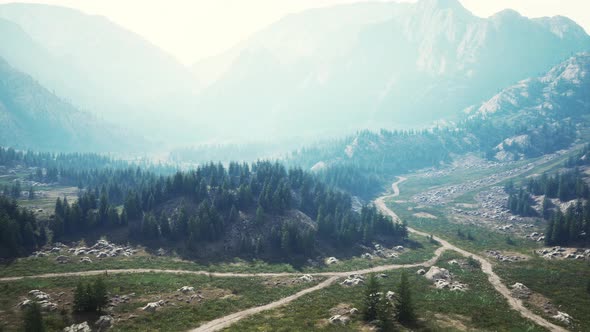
(99, 294)
(405, 307)
(372, 299)
(81, 298)
(33, 320)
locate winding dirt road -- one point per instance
(486, 266)
(332, 277)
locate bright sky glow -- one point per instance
(196, 29)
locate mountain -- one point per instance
(559, 96)
(96, 64)
(31, 117)
(372, 65)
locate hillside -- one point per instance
(559, 96)
(97, 65)
(537, 116)
(31, 117)
(371, 65)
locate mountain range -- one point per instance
(381, 65)
(33, 117)
(319, 73)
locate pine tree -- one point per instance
(99, 294)
(33, 320)
(372, 299)
(405, 307)
(81, 298)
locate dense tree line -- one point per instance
(569, 228)
(364, 163)
(565, 186)
(207, 202)
(580, 158)
(521, 203)
(19, 230)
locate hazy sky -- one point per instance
(194, 29)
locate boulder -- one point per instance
(339, 319)
(186, 289)
(353, 281)
(441, 284)
(25, 304)
(353, 311)
(398, 248)
(421, 272)
(563, 317)
(331, 260)
(62, 259)
(85, 260)
(151, 307)
(390, 295)
(104, 322)
(47, 306)
(102, 254)
(306, 278)
(436, 272)
(82, 327)
(520, 291)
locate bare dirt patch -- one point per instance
(456, 322)
(425, 215)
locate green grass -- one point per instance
(246, 293)
(480, 308)
(420, 250)
(562, 282)
(34, 266)
(483, 238)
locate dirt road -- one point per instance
(486, 266)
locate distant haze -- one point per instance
(192, 30)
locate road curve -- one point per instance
(226, 321)
(486, 266)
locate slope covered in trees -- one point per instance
(569, 227)
(19, 230)
(258, 210)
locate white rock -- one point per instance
(151, 307)
(390, 295)
(339, 319)
(85, 260)
(82, 327)
(331, 260)
(186, 289)
(436, 272)
(421, 272)
(563, 317)
(104, 322)
(306, 278)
